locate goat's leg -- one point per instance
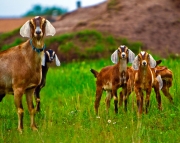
(148, 92)
(98, 98)
(158, 96)
(32, 111)
(139, 98)
(18, 103)
(165, 91)
(108, 99)
(37, 98)
(121, 98)
(114, 93)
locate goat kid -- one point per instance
(20, 66)
(111, 78)
(49, 57)
(144, 65)
(166, 76)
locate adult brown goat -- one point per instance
(111, 78)
(20, 66)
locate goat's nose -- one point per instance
(144, 63)
(38, 32)
(123, 55)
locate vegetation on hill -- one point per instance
(86, 44)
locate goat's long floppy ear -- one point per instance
(131, 56)
(159, 79)
(135, 63)
(50, 30)
(114, 57)
(43, 59)
(25, 30)
(57, 61)
(152, 62)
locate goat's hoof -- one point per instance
(34, 128)
(20, 130)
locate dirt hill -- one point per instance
(156, 23)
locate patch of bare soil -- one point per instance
(154, 23)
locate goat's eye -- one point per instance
(127, 51)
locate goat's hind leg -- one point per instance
(114, 93)
(29, 98)
(37, 98)
(98, 98)
(108, 100)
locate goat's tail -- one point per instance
(94, 72)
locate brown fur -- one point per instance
(111, 78)
(20, 73)
(145, 79)
(166, 76)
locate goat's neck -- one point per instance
(143, 72)
(38, 43)
(122, 65)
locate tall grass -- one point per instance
(67, 112)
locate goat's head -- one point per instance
(50, 56)
(36, 28)
(143, 59)
(122, 53)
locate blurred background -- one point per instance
(93, 29)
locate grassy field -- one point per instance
(67, 112)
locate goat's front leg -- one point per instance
(98, 98)
(139, 98)
(18, 92)
(148, 92)
(114, 92)
(32, 111)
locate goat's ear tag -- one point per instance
(25, 30)
(114, 57)
(43, 60)
(152, 62)
(135, 63)
(50, 30)
(131, 56)
(57, 61)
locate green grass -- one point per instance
(67, 112)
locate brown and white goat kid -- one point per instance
(49, 57)
(111, 78)
(166, 76)
(145, 79)
(20, 66)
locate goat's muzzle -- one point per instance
(144, 63)
(123, 55)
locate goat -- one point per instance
(144, 65)
(20, 66)
(111, 78)
(166, 76)
(49, 57)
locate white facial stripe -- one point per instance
(48, 54)
(53, 53)
(36, 17)
(143, 52)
